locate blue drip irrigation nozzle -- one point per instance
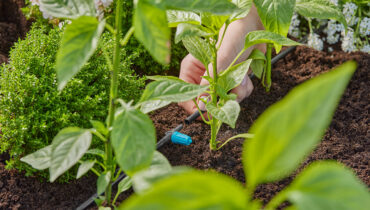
(180, 138)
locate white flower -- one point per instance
(349, 10)
(100, 5)
(294, 26)
(315, 42)
(330, 49)
(335, 2)
(63, 23)
(331, 31)
(365, 27)
(366, 49)
(348, 44)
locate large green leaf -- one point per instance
(68, 8)
(148, 106)
(213, 22)
(228, 113)
(328, 185)
(176, 17)
(171, 90)
(220, 7)
(321, 9)
(39, 159)
(151, 30)
(233, 76)
(258, 62)
(79, 42)
(185, 30)
(158, 169)
(103, 182)
(276, 15)
(244, 5)
(199, 48)
(288, 130)
(191, 190)
(124, 184)
(133, 139)
(68, 146)
(84, 168)
(258, 37)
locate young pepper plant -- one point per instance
(276, 16)
(202, 36)
(284, 134)
(128, 133)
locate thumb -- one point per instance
(244, 89)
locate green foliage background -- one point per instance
(33, 111)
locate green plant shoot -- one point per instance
(281, 142)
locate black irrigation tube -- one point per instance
(167, 137)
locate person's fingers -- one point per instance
(191, 71)
(244, 89)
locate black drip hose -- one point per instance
(167, 137)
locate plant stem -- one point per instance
(214, 121)
(276, 201)
(112, 97)
(268, 68)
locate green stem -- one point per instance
(223, 35)
(236, 58)
(127, 36)
(112, 97)
(310, 25)
(200, 112)
(214, 121)
(268, 68)
(276, 201)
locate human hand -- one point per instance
(192, 69)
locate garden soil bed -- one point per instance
(346, 140)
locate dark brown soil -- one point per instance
(347, 139)
(12, 25)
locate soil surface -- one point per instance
(13, 25)
(347, 139)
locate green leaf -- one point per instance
(321, 9)
(39, 159)
(199, 48)
(258, 62)
(84, 168)
(148, 106)
(97, 152)
(68, 146)
(328, 185)
(233, 76)
(160, 77)
(276, 15)
(176, 17)
(103, 182)
(100, 127)
(213, 22)
(171, 90)
(68, 8)
(288, 130)
(158, 169)
(124, 185)
(185, 30)
(191, 190)
(220, 7)
(258, 37)
(228, 113)
(133, 140)
(79, 42)
(244, 5)
(151, 30)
